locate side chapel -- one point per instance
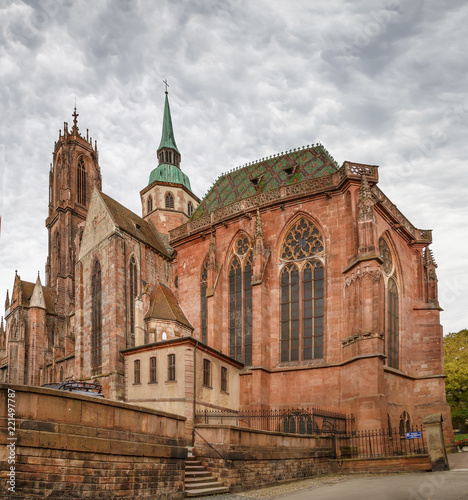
(293, 282)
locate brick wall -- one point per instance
(72, 446)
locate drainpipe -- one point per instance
(194, 389)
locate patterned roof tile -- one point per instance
(266, 175)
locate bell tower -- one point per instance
(74, 174)
(168, 200)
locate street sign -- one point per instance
(413, 435)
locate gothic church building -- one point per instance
(299, 282)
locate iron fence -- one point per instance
(381, 443)
(308, 421)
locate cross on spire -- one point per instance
(166, 84)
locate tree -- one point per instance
(456, 371)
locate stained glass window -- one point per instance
(393, 340)
(240, 302)
(96, 320)
(133, 294)
(204, 309)
(386, 256)
(81, 183)
(303, 240)
(302, 294)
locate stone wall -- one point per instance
(254, 458)
(72, 446)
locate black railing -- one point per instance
(309, 421)
(381, 443)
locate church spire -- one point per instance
(167, 138)
(168, 169)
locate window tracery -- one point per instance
(133, 294)
(204, 309)
(302, 293)
(240, 301)
(386, 256)
(302, 241)
(391, 306)
(96, 318)
(81, 182)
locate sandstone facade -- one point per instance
(300, 271)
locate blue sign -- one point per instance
(413, 435)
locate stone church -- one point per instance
(293, 282)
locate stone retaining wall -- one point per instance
(72, 446)
(254, 458)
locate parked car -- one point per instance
(78, 387)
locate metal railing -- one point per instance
(381, 443)
(307, 421)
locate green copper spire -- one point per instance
(167, 139)
(168, 169)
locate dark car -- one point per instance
(77, 387)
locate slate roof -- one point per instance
(267, 174)
(134, 225)
(164, 305)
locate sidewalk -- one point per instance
(450, 485)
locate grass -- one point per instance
(460, 437)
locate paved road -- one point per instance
(420, 486)
(450, 485)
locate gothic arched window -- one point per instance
(150, 204)
(58, 252)
(169, 200)
(240, 302)
(393, 341)
(405, 423)
(302, 293)
(81, 183)
(391, 306)
(203, 308)
(133, 294)
(190, 208)
(96, 319)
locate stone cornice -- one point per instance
(348, 171)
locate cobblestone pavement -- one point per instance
(283, 489)
(458, 462)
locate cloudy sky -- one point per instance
(378, 82)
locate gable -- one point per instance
(98, 226)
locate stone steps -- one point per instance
(199, 481)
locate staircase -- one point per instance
(199, 481)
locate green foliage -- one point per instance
(456, 371)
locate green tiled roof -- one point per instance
(269, 174)
(169, 173)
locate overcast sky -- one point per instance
(378, 82)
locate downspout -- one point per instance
(194, 389)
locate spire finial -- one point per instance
(75, 123)
(166, 84)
